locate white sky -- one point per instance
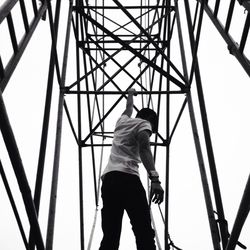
(226, 87)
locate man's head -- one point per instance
(149, 115)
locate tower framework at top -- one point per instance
(113, 46)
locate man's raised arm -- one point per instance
(130, 103)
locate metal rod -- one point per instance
(214, 176)
(18, 168)
(245, 33)
(94, 78)
(113, 48)
(195, 43)
(132, 35)
(46, 119)
(70, 121)
(127, 41)
(229, 15)
(240, 217)
(210, 153)
(13, 205)
(80, 167)
(208, 200)
(83, 144)
(89, 109)
(54, 184)
(178, 119)
(125, 6)
(9, 69)
(24, 15)
(216, 8)
(166, 230)
(44, 136)
(12, 33)
(106, 92)
(53, 39)
(34, 5)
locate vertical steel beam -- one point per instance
(166, 230)
(46, 118)
(54, 184)
(84, 31)
(240, 217)
(44, 135)
(212, 222)
(209, 147)
(208, 200)
(81, 206)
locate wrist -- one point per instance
(155, 181)
(153, 174)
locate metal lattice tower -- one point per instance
(113, 46)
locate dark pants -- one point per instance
(121, 191)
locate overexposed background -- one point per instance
(226, 89)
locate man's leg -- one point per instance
(112, 213)
(139, 214)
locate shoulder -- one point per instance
(123, 117)
(143, 125)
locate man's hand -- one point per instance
(132, 91)
(156, 193)
(130, 102)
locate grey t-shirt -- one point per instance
(124, 154)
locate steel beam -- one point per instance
(232, 45)
(241, 216)
(207, 195)
(54, 182)
(9, 69)
(20, 174)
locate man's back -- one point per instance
(124, 154)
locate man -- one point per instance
(121, 187)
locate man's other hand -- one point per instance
(156, 193)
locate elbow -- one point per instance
(144, 151)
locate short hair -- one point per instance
(149, 115)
